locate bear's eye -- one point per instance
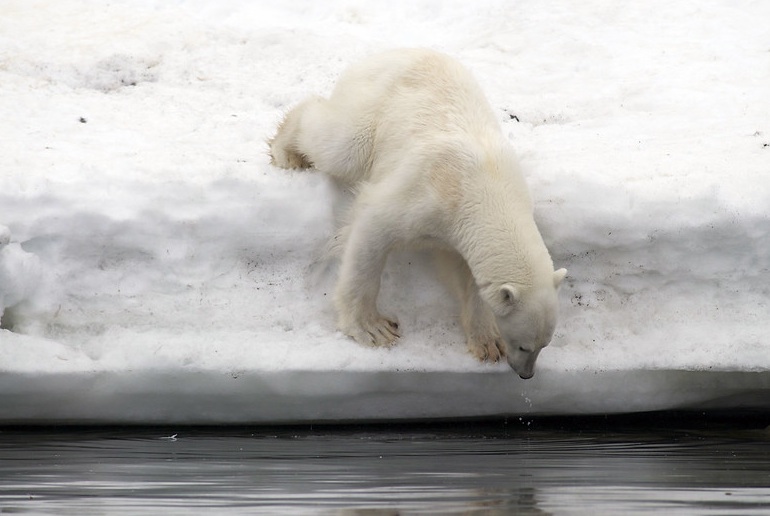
(521, 348)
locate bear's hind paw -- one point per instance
(287, 159)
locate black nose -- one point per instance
(526, 376)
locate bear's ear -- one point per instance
(558, 277)
(509, 295)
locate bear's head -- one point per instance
(526, 318)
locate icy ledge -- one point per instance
(211, 318)
(155, 268)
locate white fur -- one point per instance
(412, 134)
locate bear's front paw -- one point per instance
(378, 331)
(490, 349)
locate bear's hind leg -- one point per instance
(285, 149)
(320, 134)
(477, 319)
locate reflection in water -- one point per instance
(406, 471)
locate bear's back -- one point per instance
(415, 93)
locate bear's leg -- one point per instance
(476, 317)
(284, 146)
(363, 259)
(322, 135)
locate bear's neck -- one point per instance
(500, 240)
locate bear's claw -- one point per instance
(491, 350)
(378, 332)
(287, 159)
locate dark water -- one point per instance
(536, 467)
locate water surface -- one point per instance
(464, 468)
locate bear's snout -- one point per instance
(524, 373)
(523, 363)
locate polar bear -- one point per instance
(411, 134)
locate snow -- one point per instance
(155, 268)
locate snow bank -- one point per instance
(154, 267)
